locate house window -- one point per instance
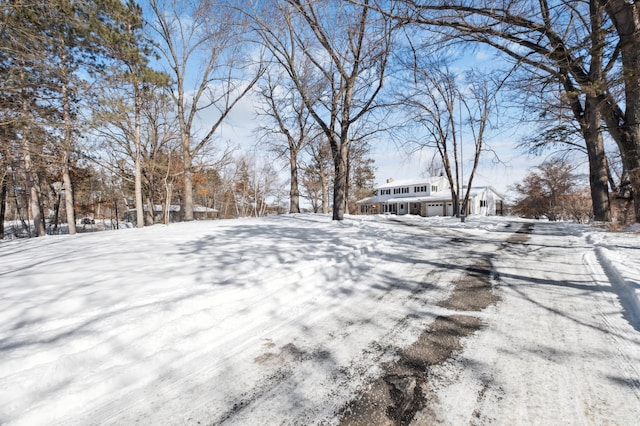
(483, 203)
(389, 208)
(434, 188)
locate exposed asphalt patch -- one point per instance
(403, 388)
(473, 291)
(521, 235)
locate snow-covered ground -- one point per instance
(286, 319)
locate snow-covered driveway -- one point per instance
(558, 348)
(288, 319)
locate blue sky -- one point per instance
(392, 161)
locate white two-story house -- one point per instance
(428, 197)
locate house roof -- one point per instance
(408, 182)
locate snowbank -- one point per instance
(619, 255)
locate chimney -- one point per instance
(389, 180)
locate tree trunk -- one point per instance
(34, 193)
(3, 203)
(324, 182)
(598, 172)
(187, 207)
(149, 217)
(56, 209)
(294, 191)
(626, 18)
(347, 175)
(68, 195)
(138, 159)
(66, 176)
(168, 187)
(340, 181)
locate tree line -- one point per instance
(130, 99)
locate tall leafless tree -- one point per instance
(567, 41)
(622, 113)
(349, 46)
(432, 104)
(201, 43)
(442, 104)
(287, 118)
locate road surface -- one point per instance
(558, 348)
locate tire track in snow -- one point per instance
(552, 350)
(403, 389)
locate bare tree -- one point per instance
(433, 105)
(552, 190)
(442, 104)
(289, 119)
(138, 139)
(349, 46)
(252, 183)
(566, 41)
(622, 113)
(435, 167)
(480, 104)
(202, 45)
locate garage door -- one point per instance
(449, 209)
(434, 209)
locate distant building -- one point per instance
(429, 197)
(199, 213)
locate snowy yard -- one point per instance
(294, 319)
